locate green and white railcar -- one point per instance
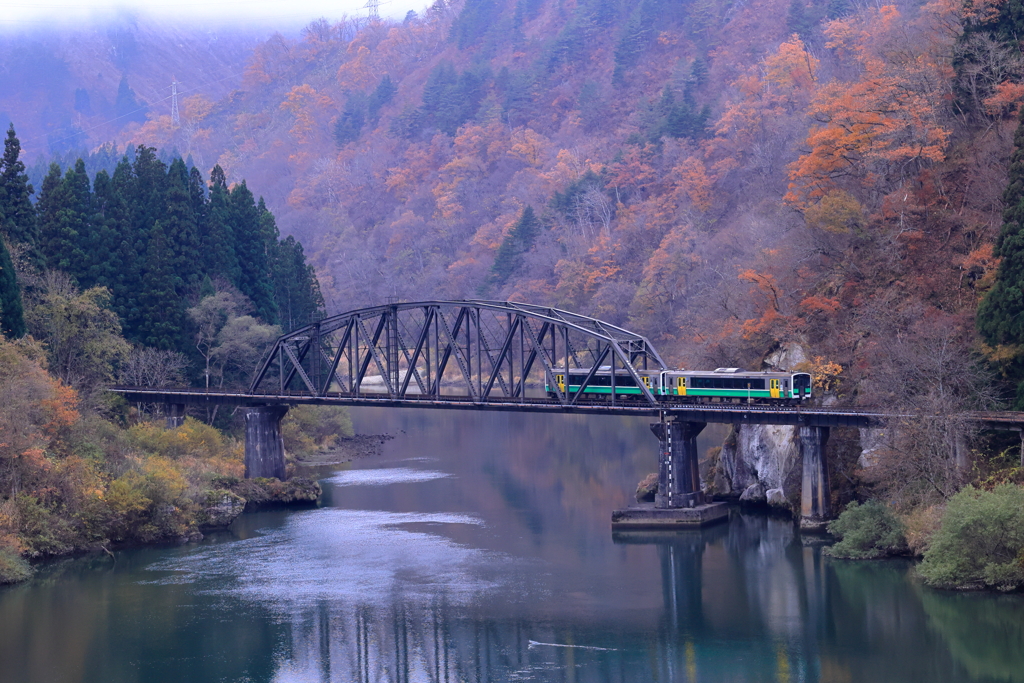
(723, 384)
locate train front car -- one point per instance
(801, 386)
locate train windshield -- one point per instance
(801, 383)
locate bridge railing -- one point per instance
(477, 349)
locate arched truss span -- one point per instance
(480, 350)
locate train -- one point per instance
(687, 386)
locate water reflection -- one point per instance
(478, 549)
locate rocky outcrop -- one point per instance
(221, 508)
(647, 489)
(761, 456)
(262, 492)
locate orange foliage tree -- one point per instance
(881, 128)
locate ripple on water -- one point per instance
(384, 477)
(346, 555)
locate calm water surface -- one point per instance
(478, 548)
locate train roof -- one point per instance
(720, 372)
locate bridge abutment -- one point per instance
(815, 494)
(264, 445)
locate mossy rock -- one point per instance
(263, 492)
(220, 508)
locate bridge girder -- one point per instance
(498, 348)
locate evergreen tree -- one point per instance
(148, 196)
(125, 272)
(350, 122)
(218, 239)
(179, 223)
(76, 222)
(19, 216)
(517, 242)
(1000, 318)
(164, 323)
(127, 106)
(381, 96)
(102, 239)
(297, 291)
(12, 320)
(253, 248)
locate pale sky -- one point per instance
(28, 14)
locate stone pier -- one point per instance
(264, 446)
(679, 501)
(815, 495)
(174, 414)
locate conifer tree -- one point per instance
(218, 239)
(517, 242)
(179, 223)
(52, 201)
(253, 247)
(150, 184)
(62, 238)
(100, 242)
(1000, 318)
(125, 272)
(297, 291)
(163, 321)
(19, 216)
(12, 320)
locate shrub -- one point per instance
(13, 568)
(308, 429)
(867, 531)
(981, 541)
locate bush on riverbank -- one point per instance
(868, 531)
(310, 429)
(12, 567)
(980, 543)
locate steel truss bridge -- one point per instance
(485, 355)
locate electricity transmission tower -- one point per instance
(175, 119)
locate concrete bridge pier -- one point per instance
(174, 413)
(678, 472)
(679, 502)
(264, 445)
(815, 495)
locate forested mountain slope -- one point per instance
(723, 177)
(72, 89)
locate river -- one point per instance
(478, 548)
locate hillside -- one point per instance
(728, 179)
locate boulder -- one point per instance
(776, 498)
(647, 489)
(753, 494)
(220, 509)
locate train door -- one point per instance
(773, 388)
(647, 381)
(560, 381)
(681, 386)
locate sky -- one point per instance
(28, 14)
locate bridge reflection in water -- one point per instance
(741, 602)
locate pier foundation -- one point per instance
(679, 501)
(264, 445)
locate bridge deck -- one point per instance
(727, 413)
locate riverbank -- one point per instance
(176, 494)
